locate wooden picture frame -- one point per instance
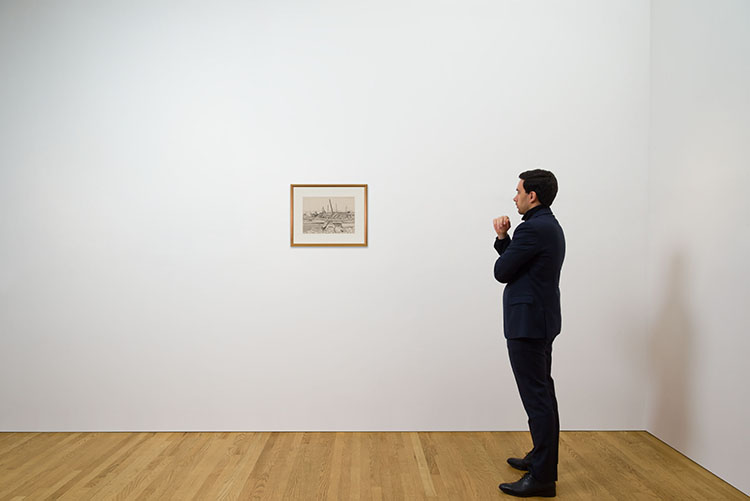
(329, 215)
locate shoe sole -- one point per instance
(542, 494)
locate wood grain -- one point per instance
(338, 466)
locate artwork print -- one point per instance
(328, 215)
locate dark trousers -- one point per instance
(531, 360)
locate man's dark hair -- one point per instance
(543, 182)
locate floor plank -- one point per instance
(335, 466)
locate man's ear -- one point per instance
(532, 197)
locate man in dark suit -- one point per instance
(530, 265)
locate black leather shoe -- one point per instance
(528, 487)
(519, 463)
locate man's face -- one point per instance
(522, 199)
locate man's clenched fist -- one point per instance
(502, 225)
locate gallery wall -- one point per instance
(146, 153)
(699, 233)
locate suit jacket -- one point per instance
(530, 265)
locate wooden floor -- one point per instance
(340, 466)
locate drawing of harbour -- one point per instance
(327, 215)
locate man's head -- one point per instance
(536, 187)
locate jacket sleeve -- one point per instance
(515, 254)
(501, 245)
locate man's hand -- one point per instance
(502, 225)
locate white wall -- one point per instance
(146, 152)
(699, 232)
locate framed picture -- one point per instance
(329, 214)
